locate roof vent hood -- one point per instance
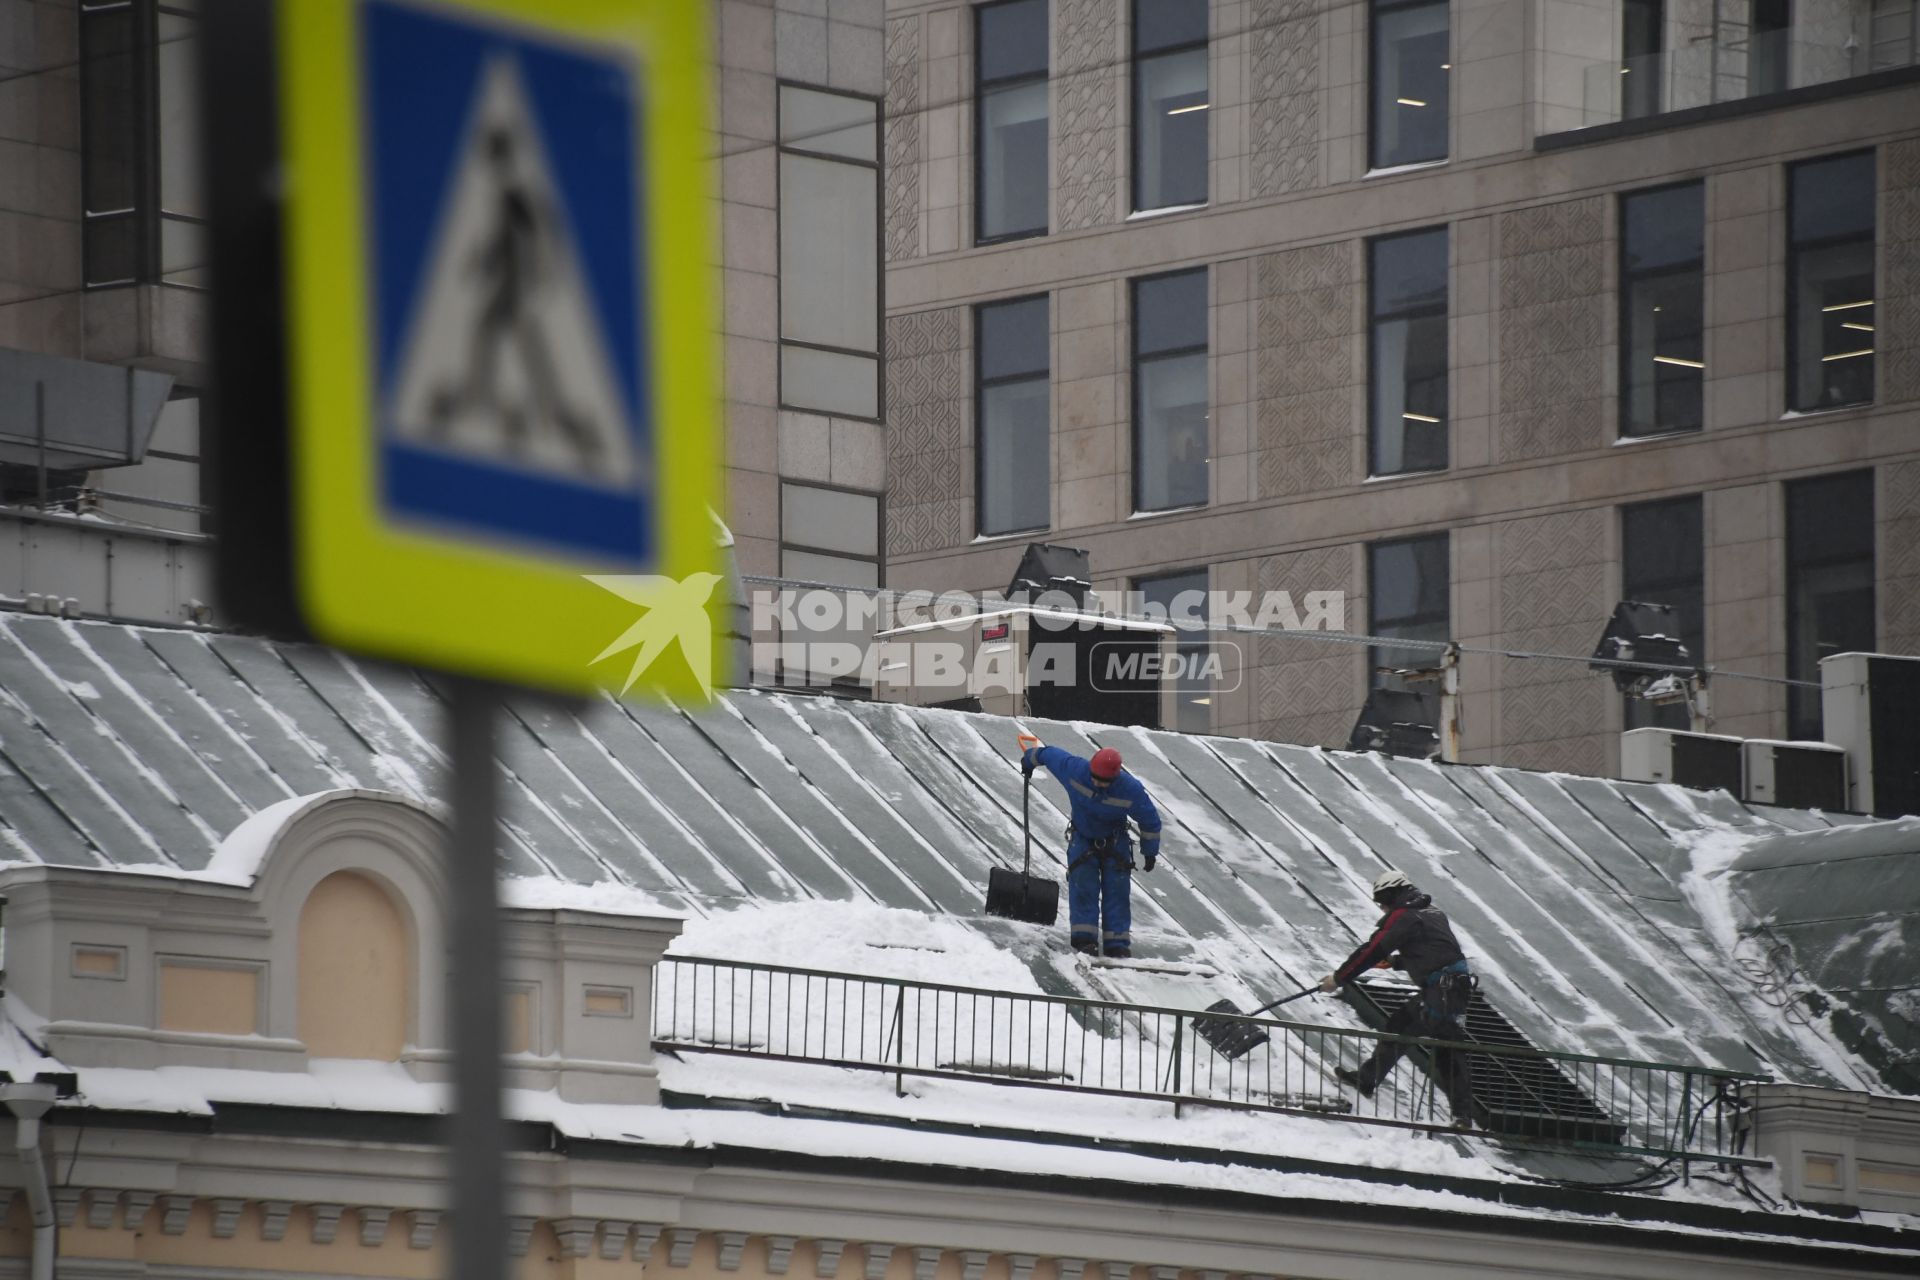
(76, 415)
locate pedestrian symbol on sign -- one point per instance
(504, 360)
(516, 390)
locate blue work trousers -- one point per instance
(1099, 896)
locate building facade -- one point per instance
(1631, 315)
(1489, 315)
(102, 269)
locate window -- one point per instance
(1013, 425)
(1769, 46)
(1830, 598)
(1411, 66)
(1642, 38)
(829, 253)
(829, 535)
(1662, 304)
(144, 221)
(1407, 352)
(1170, 103)
(1182, 596)
(1010, 128)
(1170, 391)
(1830, 311)
(1408, 598)
(1661, 563)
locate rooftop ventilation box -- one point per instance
(1870, 706)
(1704, 761)
(1796, 775)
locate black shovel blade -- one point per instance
(1033, 899)
(1229, 1039)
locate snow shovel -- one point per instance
(1236, 1039)
(1019, 895)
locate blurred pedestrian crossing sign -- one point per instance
(499, 287)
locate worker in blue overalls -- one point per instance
(1102, 797)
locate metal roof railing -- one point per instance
(908, 1028)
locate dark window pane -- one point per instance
(1170, 108)
(1769, 46)
(1830, 297)
(110, 247)
(1013, 39)
(1410, 75)
(1162, 24)
(1170, 391)
(1662, 352)
(1661, 557)
(1643, 36)
(1407, 598)
(1830, 594)
(110, 104)
(1013, 338)
(1170, 312)
(1170, 436)
(1407, 353)
(1014, 456)
(1664, 228)
(1184, 596)
(1833, 324)
(1013, 160)
(1832, 198)
(1409, 272)
(1014, 421)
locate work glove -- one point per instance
(1329, 984)
(1148, 864)
(1028, 743)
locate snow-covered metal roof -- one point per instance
(1596, 911)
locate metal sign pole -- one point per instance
(474, 991)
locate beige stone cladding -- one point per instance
(1899, 309)
(1090, 85)
(1308, 379)
(901, 138)
(929, 432)
(1306, 689)
(1897, 504)
(1284, 92)
(1551, 595)
(41, 307)
(1554, 278)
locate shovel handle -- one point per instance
(1026, 823)
(1265, 1008)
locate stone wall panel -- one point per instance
(902, 139)
(930, 469)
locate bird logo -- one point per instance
(676, 610)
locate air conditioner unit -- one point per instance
(1706, 761)
(1796, 775)
(1870, 705)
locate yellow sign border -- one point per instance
(433, 599)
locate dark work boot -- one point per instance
(1358, 1079)
(1119, 953)
(1085, 946)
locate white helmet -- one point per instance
(1388, 883)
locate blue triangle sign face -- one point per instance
(510, 308)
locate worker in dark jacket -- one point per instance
(1414, 935)
(1101, 797)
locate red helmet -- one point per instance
(1105, 764)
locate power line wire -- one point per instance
(930, 599)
